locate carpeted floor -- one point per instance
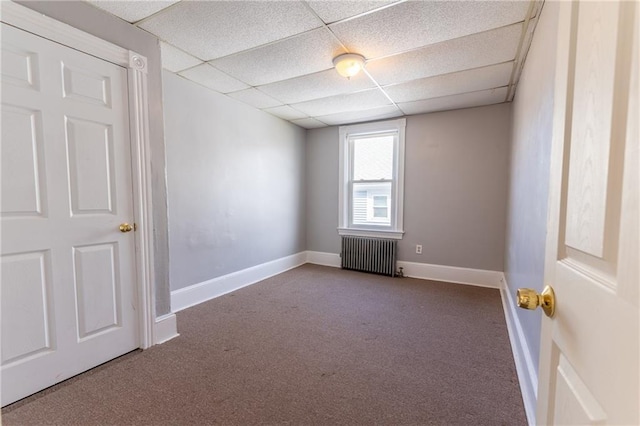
(315, 345)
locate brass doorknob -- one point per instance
(529, 299)
(125, 227)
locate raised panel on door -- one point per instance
(90, 161)
(23, 177)
(86, 86)
(27, 317)
(19, 66)
(97, 285)
(594, 336)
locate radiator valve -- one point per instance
(400, 272)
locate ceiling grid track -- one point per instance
(420, 56)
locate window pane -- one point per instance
(380, 201)
(373, 158)
(380, 212)
(370, 203)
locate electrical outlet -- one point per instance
(419, 249)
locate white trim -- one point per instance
(521, 354)
(197, 293)
(324, 259)
(43, 26)
(344, 166)
(451, 274)
(395, 235)
(425, 271)
(26, 19)
(166, 328)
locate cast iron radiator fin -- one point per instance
(375, 255)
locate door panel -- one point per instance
(90, 156)
(589, 371)
(26, 292)
(97, 288)
(68, 285)
(23, 184)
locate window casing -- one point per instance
(372, 179)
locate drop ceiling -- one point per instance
(422, 56)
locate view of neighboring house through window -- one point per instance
(371, 179)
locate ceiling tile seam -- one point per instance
(155, 14)
(320, 121)
(339, 94)
(326, 26)
(304, 32)
(519, 49)
(106, 11)
(413, 49)
(202, 85)
(520, 61)
(457, 94)
(368, 12)
(355, 111)
(266, 44)
(217, 69)
(227, 94)
(384, 92)
(294, 78)
(288, 105)
(282, 103)
(446, 73)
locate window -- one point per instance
(371, 179)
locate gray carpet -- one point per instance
(315, 345)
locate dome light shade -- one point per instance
(348, 64)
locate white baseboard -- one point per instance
(451, 274)
(166, 328)
(521, 354)
(325, 259)
(201, 292)
(425, 271)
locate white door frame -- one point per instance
(26, 19)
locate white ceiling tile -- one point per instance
(286, 112)
(332, 11)
(132, 11)
(465, 100)
(175, 60)
(389, 111)
(255, 98)
(210, 77)
(303, 54)
(309, 123)
(451, 84)
(212, 29)
(473, 51)
(414, 24)
(318, 85)
(343, 103)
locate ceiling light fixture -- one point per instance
(348, 64)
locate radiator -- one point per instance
(373, 255)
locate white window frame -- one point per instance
(346, 134)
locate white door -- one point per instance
(589, 364)
(68, 284)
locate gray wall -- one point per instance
(106, 26)
(456, 170)
(236, 184)
(529, 174)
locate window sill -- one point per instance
(395, 235)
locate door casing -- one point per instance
(136, 65)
